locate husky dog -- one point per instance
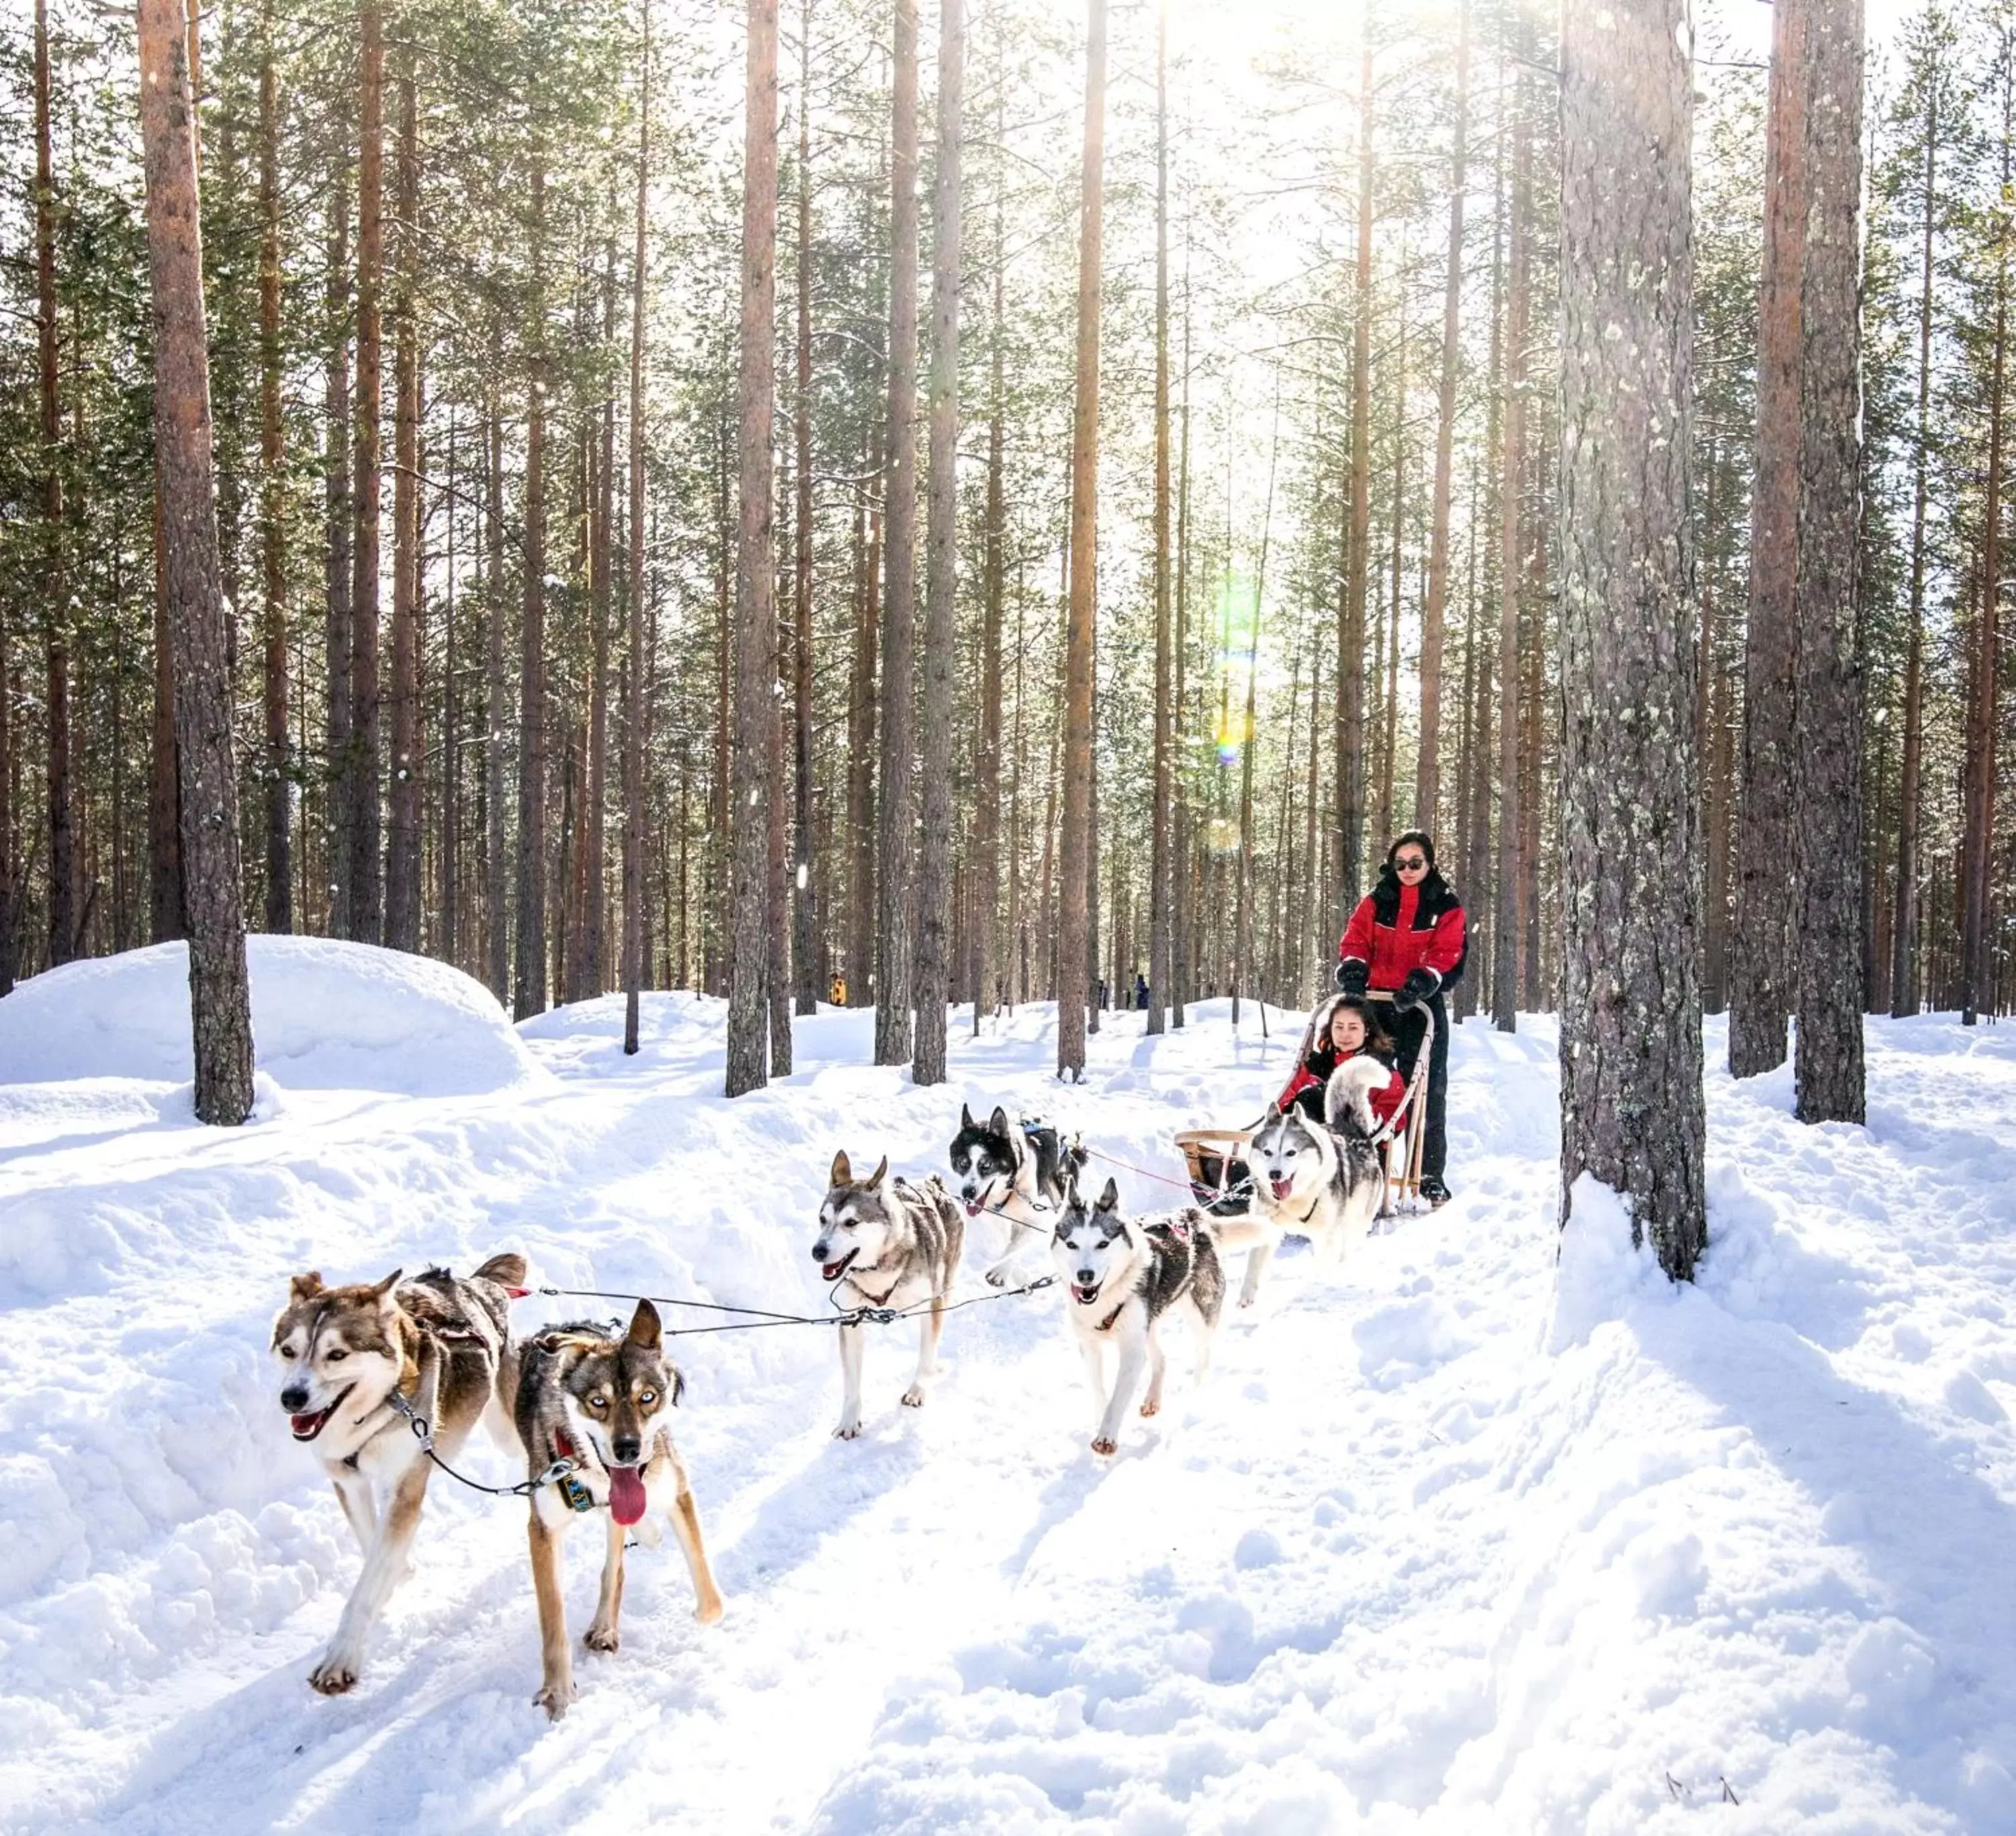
(1124, 1277)
(885, 1242)
(1323, 1182)
(600, 1403)
(440, 1344)
(1017, 1173)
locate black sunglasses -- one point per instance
(1407, 863)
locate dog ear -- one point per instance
(1109, 1200)
(382, 1290)
(997, 1124)
(881, 1171)
(842, 1173)
(966, 1116)
(644, 1329)
(305, 1287)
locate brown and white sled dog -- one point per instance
(1326, 1183)
(1124, 1277)
(885, 1242)
(1015, 1172)
(602, 1404)
(440, 1343)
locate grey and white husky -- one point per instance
(441, 1344)
(885, 1242)
(605, 1405)
(1125, 1276)
(1323, 1182)
(1017, 1173)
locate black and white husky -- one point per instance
(1016, 1173)
(1124, 1277)
(885, 1242)
(1326, 1183)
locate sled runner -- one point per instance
(1222, 1180)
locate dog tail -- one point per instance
(1347, 1095)
(507, 1271)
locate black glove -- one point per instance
(1420, 984)
(1351, 976)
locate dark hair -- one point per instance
(1376, 1038)
(1419, 838)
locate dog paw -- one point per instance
(602, 1638)
(333, 1676)
(1152, 1406)
(997, 1278)
(555, 1697)
(1103, 1445)
(913, 1398)
(1247, 1300)
(847, 1430)
(709, 1611)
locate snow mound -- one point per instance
(326, 1015)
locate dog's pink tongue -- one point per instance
(626, 1494)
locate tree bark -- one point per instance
(756, 615)
(933, 961)
(220, 996)
(335, 553)
(360, 828)
(1428, 768)
(402, 853)
(528, 968)
(1351, 625)
(805, 931)
(1632, 1106)
(993, 712)
(633, 697)
(894, 933)
(1159, 951)
(862, 754)
(279, 902)
(1761, 975)
(1827, 1065)
(1075, 841)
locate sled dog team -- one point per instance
(591, 1413)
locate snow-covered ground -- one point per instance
(1455, 1540)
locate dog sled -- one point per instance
(1222, 1180)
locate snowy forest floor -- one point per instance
(1458, 1537)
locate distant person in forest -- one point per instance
(838, 993)
(1406, 942)
(1348, 1027)
(1140, 990)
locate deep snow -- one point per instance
(1454, 1540)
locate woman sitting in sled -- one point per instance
(1346, 1027)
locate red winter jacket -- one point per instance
(1313, 1073)
(1397, 928)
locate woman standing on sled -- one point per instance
(1346, 1026)
(1406, 941)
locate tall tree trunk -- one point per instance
(638, 663)
(1428, 767)
(592, 973)
(1977, 831)
(894, 929)
(497, 961)
(1827, 1066)
(272, 501)
(1761, 968)
(1632, 1106)
(805, 926)
(1159, 952)
(1242, 936)
(360, 826)
(402, 852)
(986, 757)
(862, 754)
(1351, 626)
(63, 914)
(8, 882)
(1904, 930)
(933, 963)
(528, 966)
(336, 554)
(756, 613)
(1183, 949)
(1507, 929)
(1075, 842)
(220, 995)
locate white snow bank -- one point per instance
(326, 1016)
